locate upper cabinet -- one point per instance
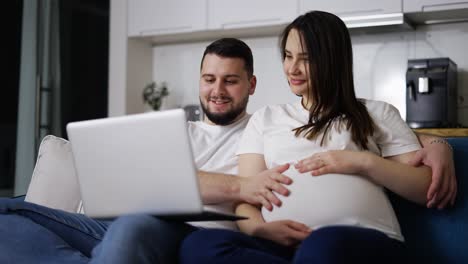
(433, 5)
(160, 17)
(229, 14)
(181, 20)
(435, 11)
(359, 13)
(352, 7)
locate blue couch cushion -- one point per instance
(439, 236)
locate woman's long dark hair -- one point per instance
(326, 40)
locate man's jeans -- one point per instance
(32, 233)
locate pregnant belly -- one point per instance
(334, 199)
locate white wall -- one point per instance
(179, 66)
(117, 58)
(381, 61)
(380, 66)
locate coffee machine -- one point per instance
(193, 112)
(431, 93)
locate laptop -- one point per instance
(140, 163)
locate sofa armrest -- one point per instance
(54, 183)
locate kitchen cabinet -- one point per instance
(159, 17)
(228, 14)
(435, 11)
(352, 7)
(432, 5)
(359, 13)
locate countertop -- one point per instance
(444, 132)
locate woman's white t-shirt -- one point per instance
(333, 199)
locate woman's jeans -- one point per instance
(337, 244)
(32, 233)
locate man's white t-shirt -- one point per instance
(214, 148)
(334, 199)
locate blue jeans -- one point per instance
(338, 244)
(36, 234)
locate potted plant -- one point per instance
(153, 94)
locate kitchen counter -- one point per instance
(443, 132)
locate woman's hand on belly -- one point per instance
(335, 161)
(284, 232)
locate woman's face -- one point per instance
(296, 64)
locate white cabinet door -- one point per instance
(157, 17)
(359, 13)
(432, 5)
(350, 8)
(227, 14)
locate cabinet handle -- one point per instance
(361, 12)
(438, 7)
(250, 23)
(374, 20)
(164, 30)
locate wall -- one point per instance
(380, 66)
(179, 65)
(117, 57)
(381, 60)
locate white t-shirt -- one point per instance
(214, 148)
(333, 199)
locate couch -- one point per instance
(439, 236)
(432, 236)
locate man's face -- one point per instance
(224, 89)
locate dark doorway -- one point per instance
(84, 53)
(12, 17)
(85, 56)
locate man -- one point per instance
(225, 86)
(226, 82)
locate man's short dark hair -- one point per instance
(231, 48)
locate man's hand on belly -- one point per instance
(260, 189)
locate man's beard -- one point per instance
(224, 119)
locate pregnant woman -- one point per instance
(342, 154)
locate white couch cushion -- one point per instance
(54, 183)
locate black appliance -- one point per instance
(193, 112)
(431, 95)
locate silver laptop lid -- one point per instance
(135, 164)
